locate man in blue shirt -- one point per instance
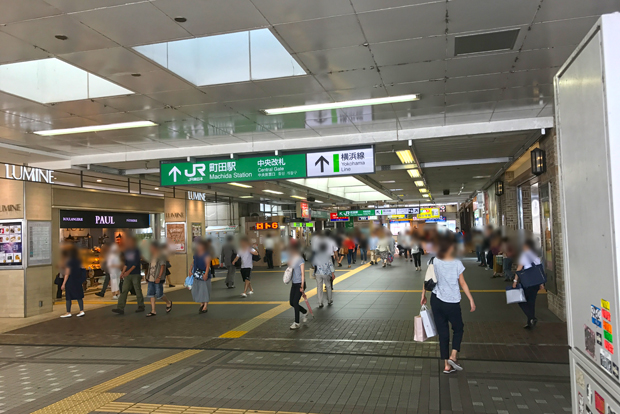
(131, 276)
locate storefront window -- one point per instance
(547, 236)
(536, 215)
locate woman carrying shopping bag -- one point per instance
(527, 260)
(445, 302)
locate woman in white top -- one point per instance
(526, 260)
(246, 253)
(446, 302)
(114, 264)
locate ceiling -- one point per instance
(350, 49)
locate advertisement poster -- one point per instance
(175, 237)
(11, 244)
(39, 243)
(196, 230)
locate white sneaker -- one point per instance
(115, 297)
(80, 314)
(66, 315)
(251, 292)
(295, 325)
(243, 295)
(304, 318)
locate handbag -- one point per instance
(198, 274)
(288, 275)
(189, 282)
(430, 279)
(418, 329)
(533, 276)
(58, 281)
(515, 295)
(428, 322)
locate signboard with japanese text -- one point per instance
(356, 213)
(336, 217)
(233, 170)
(429, 213)
(342, 162)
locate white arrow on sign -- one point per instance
(176, 172)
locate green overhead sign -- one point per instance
(356, 213)
(232, 170)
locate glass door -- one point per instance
(547, 236)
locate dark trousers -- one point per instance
(364, 254)
(354, 254)
(529, 307)
(80, 304)
(489, 261)
(294, 300)
(479, 253)
(106, 282)
(269, 257)
(447, 314)
(417, 259)
(350, 256)
(59, 292)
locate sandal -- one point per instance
(148, 315)
(169, 308)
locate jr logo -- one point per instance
(198, 168)
(104, 220)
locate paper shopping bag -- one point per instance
(429, 324)
(418, 330)
(515, 295)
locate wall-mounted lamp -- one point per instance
(539, 161)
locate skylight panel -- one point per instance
(226, 58)
(52, 80)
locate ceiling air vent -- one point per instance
(485, 42)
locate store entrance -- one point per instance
(89, 230)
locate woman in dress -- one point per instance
(201, 289)
(114, 263)
(72, 284)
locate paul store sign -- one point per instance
(22, 173)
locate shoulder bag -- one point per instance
(430, 279)
(533, 276)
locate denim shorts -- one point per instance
(155, 290)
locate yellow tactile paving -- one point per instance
(178, 409)
(242, 329)
(98, 396)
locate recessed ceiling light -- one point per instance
(414, 173)
(318, 201)
(401, 195)
(387, 182)
(344, 104)
(419, 183)
(396, 189)
(240, 185)
(405, 156)
(423, 190)
(298, 197)
(95, 128)
(61, 37)
(246, 197)
(482, 176)
(273, 192)
(98, 181)
(426, 195)
(156, 188)
(180, 19)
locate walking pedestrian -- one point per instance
(384, 246)
(298, 285)
(527, 259)
(324, 269)
(445, 303)
(416, 253)
(228, 255)
(156, 278)
(508, 254)
(103, 254)
(372, 247)
(349, 246)
(131, 276)
(114, 264)
(201, 288)
(245, 255)
(269, 247)
(363, 245)
(74, 276)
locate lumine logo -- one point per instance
(19, 172)
(104, 220)
(5, 208)
(192, 195)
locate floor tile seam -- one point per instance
(348, 370)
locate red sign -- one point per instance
(606, 314)
(609, 347)
(334, 217)
(599, 403)
(304, 209)
(266, 226)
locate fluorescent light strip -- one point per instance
(419, 183)
(426, 195)
(95, 128)
(246, 197)
(414, 173)
(273, 192)
(423, 190)
(240, 185)
(298, 197)
(318, 201)
(405, 156)
(344, 104)
(387, 182)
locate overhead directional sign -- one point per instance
(233, 170)
(411, 210)
(342, 162)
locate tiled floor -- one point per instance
(357, 356)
